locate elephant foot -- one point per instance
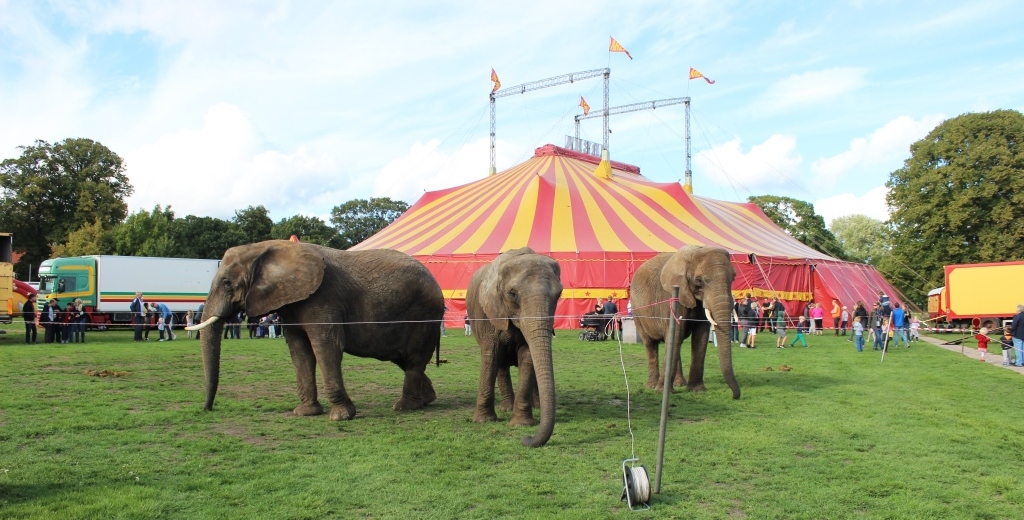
(654, 383)
(523, 420)
(307, 409)
(408, 403)
(342, 411)
(482, 416)
(699, 387)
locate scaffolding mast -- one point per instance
(545, 83)
(646, 105)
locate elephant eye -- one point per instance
(513, 294)
(699, 281)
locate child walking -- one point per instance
(982, 338)
(858, 335)
(1007, 343)
(190, 318)
(801, 327)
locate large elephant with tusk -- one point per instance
(704, 276)
(380, 304)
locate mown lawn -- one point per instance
(926, 434)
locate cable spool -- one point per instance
(636, 486)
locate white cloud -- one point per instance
(885, 148)
(809, 88)
(227, 165)
(425, 168)
(871, 204)
(772, 163)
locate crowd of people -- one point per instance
(59, 325)
(886, 318)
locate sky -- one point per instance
(303, 105)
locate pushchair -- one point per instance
(596, 327)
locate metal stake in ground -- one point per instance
(670, 356)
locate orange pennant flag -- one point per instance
(615, 46)
(494, 78)
(694, 74)
(586, 107)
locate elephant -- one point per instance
(704, 275)
(381, 304)
(511, 304)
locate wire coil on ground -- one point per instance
(636, 486)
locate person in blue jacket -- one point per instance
(167, 317)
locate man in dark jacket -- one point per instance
(1017, 331)
(611, 310)
(138, 313)
(29, 313)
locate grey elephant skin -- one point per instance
(379, 304)
(511, 303)
(704, 276)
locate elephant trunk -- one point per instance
(211, 359)
(721, 312)
(538, 337)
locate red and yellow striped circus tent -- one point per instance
(600, 230)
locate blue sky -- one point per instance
(303, 105)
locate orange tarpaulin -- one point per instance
(601, 230)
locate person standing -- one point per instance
(1006, 342)
(29, 313)
(836, 316)
(78, 322)
(779, 317)
(818, 315)
(469, 330)
(844, 320)
(878, 317)
(165, 321)
(1017, 330)
(67, 322)
(190, 320)
(860, 313)
(858, 335)
(752, 324)
(610, 309)
(899, 326)
(49, 318)
(981, 336)
(138, 308)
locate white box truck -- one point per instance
(107, 284)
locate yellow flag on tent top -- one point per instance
(615, 46)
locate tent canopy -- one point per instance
(601, 230)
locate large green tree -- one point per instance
(307, 229)
(254, 222)
(54, 189)
(146, 233)
(90, 239)
(798, 218)
(358, 219)
(959, 198)
(205, 237)
(864, 239)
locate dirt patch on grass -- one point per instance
(106, 373)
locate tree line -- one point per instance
(68, 199)
(958, 198)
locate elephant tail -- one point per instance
(437, 351)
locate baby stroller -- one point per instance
(596, 327)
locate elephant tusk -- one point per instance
(707, 312)
(204, 324)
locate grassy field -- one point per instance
(926, 434)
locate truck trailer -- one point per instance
(107, 284)
(979, 295)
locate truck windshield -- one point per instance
(46, 284)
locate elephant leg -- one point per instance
(698, 350)
(678, 380)
(522, 412)
(329, 356)
(485, 391)
(413, 396)
(654, 377)
(305, 374)
(508, 396)
(427, 387)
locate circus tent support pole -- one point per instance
(607, 76)
(688, 181)
(493, 170)
(670, 356)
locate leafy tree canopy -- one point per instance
(798, 218)
(307, 229)
(959, 198)
(254, 222)
(205, 237)
(146, 234)
(358, 219)
(54, 189)
(90, 239)
(863, 238)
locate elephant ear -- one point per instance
(284, 273)
(675, 272)
(492, 301)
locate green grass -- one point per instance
(926, 434)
